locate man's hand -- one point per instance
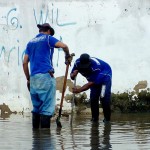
(68, 58)
(83, 88)
(75, 90)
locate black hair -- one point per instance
(43, 29)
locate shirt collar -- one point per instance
(40, 34)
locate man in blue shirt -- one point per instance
(40, 80)
(99, 75)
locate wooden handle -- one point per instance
(64, 85)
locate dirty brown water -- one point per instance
(125, 132)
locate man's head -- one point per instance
(85, 61)
(45, 28)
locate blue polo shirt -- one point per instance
(99, 71)
(40, 51)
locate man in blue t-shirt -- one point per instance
(40, 80)
(99, 75)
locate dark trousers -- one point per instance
(42, 121)
(101, 92)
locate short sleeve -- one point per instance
(52, 41)
(27, 50)
(74, 66)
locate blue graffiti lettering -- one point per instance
(59, 49)
(63, 24)
(10, 52)
(13, 21)
(42, 20)
(41, 16)
(4, 51)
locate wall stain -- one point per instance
(5, 111)
(140, 85)
(124, 102)
(60, 82)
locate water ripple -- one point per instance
(125, 132)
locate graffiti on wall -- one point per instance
(54, 18)
(10, 21)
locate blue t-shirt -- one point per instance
(98, 72)
(40, 51)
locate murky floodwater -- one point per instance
(125, 132)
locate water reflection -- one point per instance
(43, 140)
(59, 134)
(126, 131)
(98, 141)
(73, 138)
(106, 137)
(95, 137)
(4, 116)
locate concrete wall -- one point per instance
(117, 31)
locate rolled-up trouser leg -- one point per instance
(35, 120)
(45, 121)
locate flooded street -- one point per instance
(125, 132)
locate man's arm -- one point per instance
(83, 88)
(25, 67)
(68, 57)
(73, 74)
(63, 46)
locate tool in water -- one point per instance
(59, 125)
(72, 102)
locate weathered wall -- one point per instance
(113, 30)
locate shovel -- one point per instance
(63, 93)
